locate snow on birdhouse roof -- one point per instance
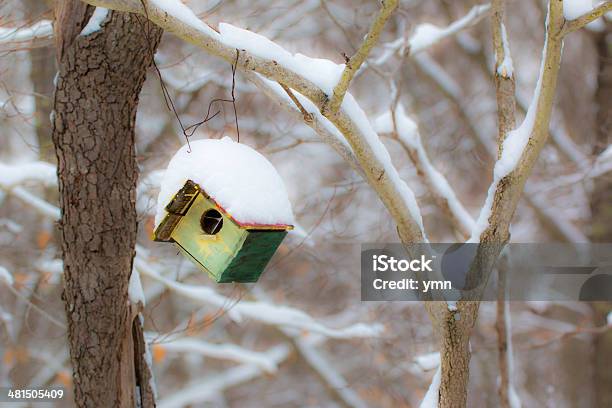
(242, 181)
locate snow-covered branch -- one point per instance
(313, 78)
(204, 390)
(522, 146)
(408, 135)
(38, 34)
(426, 35)
(264, 312)
(219, 351)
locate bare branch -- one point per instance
(39, 34)
(353, 64)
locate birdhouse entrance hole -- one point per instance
(211, 222)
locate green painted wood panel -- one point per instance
(257, 250)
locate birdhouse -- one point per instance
(225, 207)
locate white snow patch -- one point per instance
(358, 116)
(506, 68)
(43, 28)
(178, 10)
(242, 181)
(427, 34)
(12, 175)
(95, 21)
(135, 292)
(408, 132)
(431, 398)
(6, 275)
(573, 9)
(220, 351)
(322, 72)
(325, 74)
(309, 107)
(512, 149)
(428, 361)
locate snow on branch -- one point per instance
(558, 225)
(13, 175)
(433, 392)
(219, 351)
(521, 147)
(311, 77)
(38, 34)
(204, 390)
(426, 35)
(264, 312)
(353, 64)
(326, 131)
(409, 137)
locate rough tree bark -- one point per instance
(96, 97)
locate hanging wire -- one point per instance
(191, 129)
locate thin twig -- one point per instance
(353, 63)
(308, 117)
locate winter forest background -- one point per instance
(301, 336)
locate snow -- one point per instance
(269, 313)
(43, 28)
(309, 107)
(178, 10)
(426, 34)
(242, 181)
(220, 351)
(506, 68)
(12, 175)
(428, 361)
(6, 275)
(135, 292)
(431, 398)
(322, 72)
(408, 133)
(149, 360)
(514, 399)
(203, 390)
(325, 74)
(512, 149)
(572, 9)
(358, 116)
(95, 20)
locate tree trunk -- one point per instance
(96, 97)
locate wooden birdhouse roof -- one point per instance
(241, 181)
